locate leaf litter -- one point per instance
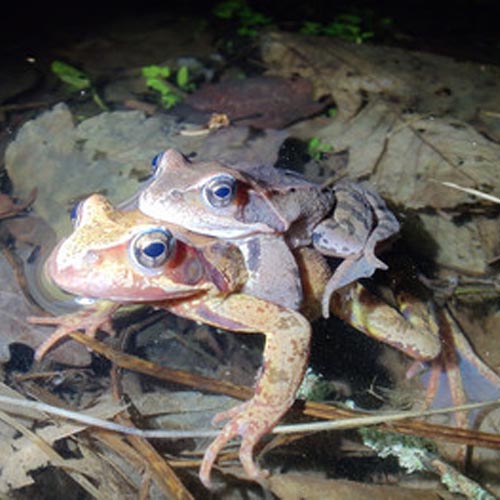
(407, 148)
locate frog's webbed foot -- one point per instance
(251, 421)
(427, 334)
(90, 320)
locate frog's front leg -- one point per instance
(90, 319)
(360, 221)
(344, 236)
(285, 359)
(270, 263)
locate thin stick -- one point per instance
(176, 434)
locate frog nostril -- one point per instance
(91, 258)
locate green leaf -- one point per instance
(247, 31)
(170, 100)
(313, 143)
(158, 85)
(250, 17)
(70, 75)
(228, 9)
(155, 71)
(182, 77)
(317, 149)
(311, 28)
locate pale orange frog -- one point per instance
(126, 257)
(237, 203)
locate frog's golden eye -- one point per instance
(152, 248)
(220, 190)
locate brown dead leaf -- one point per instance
(262, 102)
(349, 72)
(21, 455)
(406, 156)
(461, 247)
(314, 487)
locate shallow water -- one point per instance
(67, 153)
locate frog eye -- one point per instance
(155, 162)
(220, 190)
(76, 213)
(152, 248)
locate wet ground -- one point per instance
(389, 105)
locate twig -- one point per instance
(472, 191)
(347, 423)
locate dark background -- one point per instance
(467, 27)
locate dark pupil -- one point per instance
(222, 192)
(154, 249)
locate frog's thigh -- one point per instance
(287, 335)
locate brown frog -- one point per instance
(235, 204)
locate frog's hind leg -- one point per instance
(469, 378)
(430, 335)
(285, 358)
(349, 271)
